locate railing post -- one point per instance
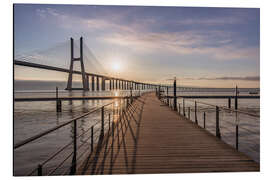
(92, 139)
(217, 123)
(236, 136)
(236, 130)
(109, 122)
(179, 105)
(112, 130)
(236, 99)
(196, 119)
(39, 169)
(174, 96)
(102, 121)
(167, 95)
(131, 99)
(204, 120)
(58, 102)
(184, 113)
(158, 92)
(189, 113)
(74, 162)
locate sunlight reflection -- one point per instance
(116, 93)
(116, 104)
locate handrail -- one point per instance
(35, 137)
(218, 126)
(39, 168)
(225, 108)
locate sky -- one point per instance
(201, 47)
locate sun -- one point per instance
(116, 66)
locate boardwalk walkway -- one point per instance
(155, 139)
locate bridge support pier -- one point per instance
(97, 83)
(110, 84)
(93, 83)
(72, 60)
(103, 84)
(87, 82)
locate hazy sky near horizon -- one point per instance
(207, 47)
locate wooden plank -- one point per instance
(155, 139)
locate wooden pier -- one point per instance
(152, 138)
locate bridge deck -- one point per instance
(156, 139)
(69, 98)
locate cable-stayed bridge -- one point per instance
(89, 67)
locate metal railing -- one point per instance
(191, 113)
(117, 107)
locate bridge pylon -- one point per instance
(85, 79)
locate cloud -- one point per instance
(181, 43)
(247, 78)
(138, 35)
(212, 22)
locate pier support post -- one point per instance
(229, 103)
(217, 123)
